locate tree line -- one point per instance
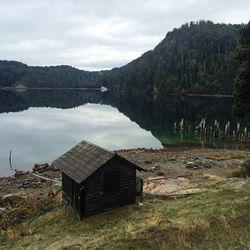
(14, 73)
(198, 57)
(242, 81)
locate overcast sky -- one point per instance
(100, 34)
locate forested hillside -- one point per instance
(242, 86)
(13, 73)
(196, 58)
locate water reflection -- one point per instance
(40, 125)
(160, 115)
(43, 134)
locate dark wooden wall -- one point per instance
(96, 200)
(72, 191)
(67, 186)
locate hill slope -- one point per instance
(216, 218)
(13, 73)
(196, 58)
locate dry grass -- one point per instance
(224, 157)
(217, 219)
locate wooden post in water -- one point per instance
(11, 168)
(205, 131)
(175, 127)
(204, 126)
(226, 131)
(238, 130)
(216, 128)
(215, 125)
(228, 128)
(210, 131)
(245, 134)
(241, 138)
(234, 135)
(182, 124)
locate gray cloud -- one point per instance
(100, 34)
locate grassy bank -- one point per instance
(216, 219)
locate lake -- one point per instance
(40, 125)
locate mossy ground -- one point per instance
(216, 219)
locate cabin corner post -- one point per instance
(82, 202)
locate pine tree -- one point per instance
(242, 81)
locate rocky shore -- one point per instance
(183, 161)
(175, 170)
(39, 183)
(191, 196)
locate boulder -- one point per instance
(207, 165)
(41, 167)
(30, 184)
(160, 173)
(154, 168)
(54, 168)
(20, 173)
(233, 183)
(198, 164)
(190, 165)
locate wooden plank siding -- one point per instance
(95, 179)
(67, 185)
(96, 200)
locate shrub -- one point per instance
(26, 209)
(243, 172)
(245, 169)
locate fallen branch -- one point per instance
(163, 178)
(45, 178)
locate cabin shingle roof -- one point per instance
(83, 159)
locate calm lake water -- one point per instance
(38, 126)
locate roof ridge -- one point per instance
(84, 159)
(94, 145)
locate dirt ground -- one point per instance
(174, 170)
(183, 171)
(173, 162)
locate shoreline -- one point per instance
(48, 88)
(169, 150)
(205, 95)
(147, 158)
(99, 89)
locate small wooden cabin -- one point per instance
(95, 179)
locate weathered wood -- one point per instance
(90, 169)
(97, 200)
(83, 160)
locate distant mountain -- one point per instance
(15, 101)
(15, 73)
(11, 72)
(196, 58)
